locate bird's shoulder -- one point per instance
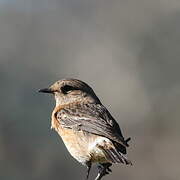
(96, 112)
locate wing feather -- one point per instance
(92, 118)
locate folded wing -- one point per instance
(92, 118)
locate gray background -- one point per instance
(127, 50)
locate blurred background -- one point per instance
(128, 51)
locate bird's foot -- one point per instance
(88, 164)
(103, 169)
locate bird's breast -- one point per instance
(83, 146)
(75, 141)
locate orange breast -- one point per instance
(77, 142)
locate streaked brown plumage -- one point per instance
(87, 129)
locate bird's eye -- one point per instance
(66, 89)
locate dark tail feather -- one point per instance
(116, 157)
(109, 156)
(128, 139)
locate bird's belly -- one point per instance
(80, 145)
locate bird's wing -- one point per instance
(92, 118)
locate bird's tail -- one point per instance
(114, 156)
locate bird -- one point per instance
(88, 130)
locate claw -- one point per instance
(103, 170)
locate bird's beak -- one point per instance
(46, 90)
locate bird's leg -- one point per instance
(88, 164)
(103, 169)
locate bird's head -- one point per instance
(71, 90)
